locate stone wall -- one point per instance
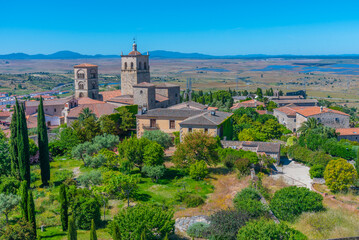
(284, 119)
(328, 119)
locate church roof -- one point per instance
(144, 84)
(85, 65)
(134, 53)
(106, 95)
(87, 100)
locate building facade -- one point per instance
(86, 81)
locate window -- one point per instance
(54, 109)
(125, 65)
(139, 65)
(337, 119)
(295, 120)
(80, 74)
(206, 130)
(93, 75)
(93, 85)
(172, 124)
(132, 65)
(152, 123)
(144, 65)
(81, 85)
(81, 95)
(189, 129)
(141, 91)
(93, 96)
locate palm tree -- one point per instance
(310, 124)
(86, 113)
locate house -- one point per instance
(189, 105)
(287, 116)
(50, 120)
(297, 100)
(52, 107)
(268, 148)
(184, 120)
(327, 117)
(351, 134)
(247, 104)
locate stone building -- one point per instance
(287, 116)
(351, 134)
(86, 81)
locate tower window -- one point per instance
(93, 85)
(144, 65)
(93, 75)
(139, 65)
(81, 95)
(81, 85)
(80, 74)
(132, 65)
(125, 65)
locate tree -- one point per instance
(7, 203)
(24, 196)
(43, 145)
(93, 235)
(72, 233)
(271, 105)
(155, 221)
(290, 202)
(31, 212)
(13, 144)
(154, 172)
(22, 230)
(9, 185)
(87, 208)
(158, 136)
(259, 94)
(85, 114)
(267, 229)
(23, 144)
(120, 185)
(153, 154)
(5, 157)
(64, 207)
(198, 170)
(249, 200)
(132, 149)
(196, 146)
(311, 124)
(339, 175)
(107, 125)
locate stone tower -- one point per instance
(135, 69)
(86, 81)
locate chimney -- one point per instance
(321, 108)
(213, 112)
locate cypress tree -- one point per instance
(43, 145)
(166, 237)
(13, 143)
(31, 211)
(64, 208)
(143, 235)
(93, 235)
(116, 233)
(23, 203)
(23, 146)
(72, 233)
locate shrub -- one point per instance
(339, 175)
(154, 172)
(62, 175)
(153, 154)
(33, 148)
(22, 230)
(198, 170)
(249, 200)
(290, 202)
(243, 166)
(193, 200)
(224, 224)
(198, 230)
(95, 161)
(229, 161)
(269, 230)
(160, 137)
(9, 185)
(317, 171)
(86, 209)
(90, 178)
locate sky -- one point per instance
(304, 27)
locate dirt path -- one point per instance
(76, 172)
(225, 188)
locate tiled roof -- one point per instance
(134, 53)
(249, 103)
(85, 65)
(125, 99)
(106, 95)
(290, 110)
(168, 113)
(207, 119)
(98, 109)
(166, 85)
(189, 104)
(262, 147)
(144, 84)
(86, 100)
(347, 131)
(161, 98)
(262, 112)
(212, 108)
(59, 101)
(310, 111)
(5, 114)
(295, 101)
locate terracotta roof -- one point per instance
(98, 109)
(310, 111)
(290, 110)
(262, 112)
(347, 131)
(249, 103)
(161, 98)
(5, 114)
(262, 147)
(134, 53)
(295, 101)
(110, 94)
(189, 105)
(125, 99)
(87, 100)
(144, 84)
(212, 108)
(59, 101)
(166, 85)
(85, 65)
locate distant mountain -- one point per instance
(168, 54)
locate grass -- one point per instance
(56, 233)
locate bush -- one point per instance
(290, 202)
(95, 161)
(193, 200)
(249, 200)
(22, 230)
(224, 224)
(9, 185)
(33, 148)
(317, 171)
(90, 178)
(339, 175)
(160, 137)
(229, 161)
(62, 175)
(198, 170)
(86, 209)
(269, 230)
(154, 172)
(243, 166)
(153, 154)
(198, 230)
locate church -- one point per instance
(136, 86)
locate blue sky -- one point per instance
(211, 27)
